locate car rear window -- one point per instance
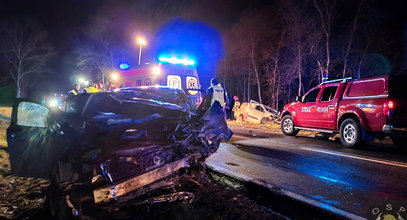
(372, 87)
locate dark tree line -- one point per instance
(277, 52)
(273, 52)
(24, 53)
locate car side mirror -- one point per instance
(32, 115)
(298, 98)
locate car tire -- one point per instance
(287, 126)
(265, 121)
(56, 199)
(350, 133)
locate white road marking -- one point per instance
(387, 162)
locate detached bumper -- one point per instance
(390, 129)
(105, 194)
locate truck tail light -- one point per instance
(391, 104)
(387, 107)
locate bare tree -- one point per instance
(300, 41)
(250, 37)
(98, 52)
(271, 62)
(25, 52)
(351, 38)
(325, 9)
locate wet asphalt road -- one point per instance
(353, 180)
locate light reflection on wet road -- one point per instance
(353, 180)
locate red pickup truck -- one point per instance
(360, 110)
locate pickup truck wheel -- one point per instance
(350, 133)
(287, 126)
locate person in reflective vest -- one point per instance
(215, 93)
(218, 93)
(236, 106)
(92, 89)
(75, 91)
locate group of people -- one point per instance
(93, 88)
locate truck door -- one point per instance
(326, 108)
(30, 140)
(307, 109)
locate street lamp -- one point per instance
(141, 42)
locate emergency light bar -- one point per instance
(174, 60)
(124, 66)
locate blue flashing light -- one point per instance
(124, 66)
(174, 60)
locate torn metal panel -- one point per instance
(117, 145)
(107, 193)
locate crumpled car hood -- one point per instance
(151, 142)
(115, 145)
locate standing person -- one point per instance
(236, 106)
(100, 87)
(92, 89)
(75, 91)
(214, 94)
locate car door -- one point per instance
(254, 114)
(326, 108)
(305, 111)
(30, 139)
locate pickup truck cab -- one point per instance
(359, 110)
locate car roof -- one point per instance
(138, 88)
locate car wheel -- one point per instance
(265, 121)
(241, 117)
(287, 126)
(57, 205)
(350, 133)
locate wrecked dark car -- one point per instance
(108, 148)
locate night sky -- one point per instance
(65, 19)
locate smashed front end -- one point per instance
(134, 143)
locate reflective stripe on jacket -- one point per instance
(91, 89)
(218, 95)
(73, 91)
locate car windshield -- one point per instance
(272, 111)
(123, 100)
(160, 96)
(137, 101)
